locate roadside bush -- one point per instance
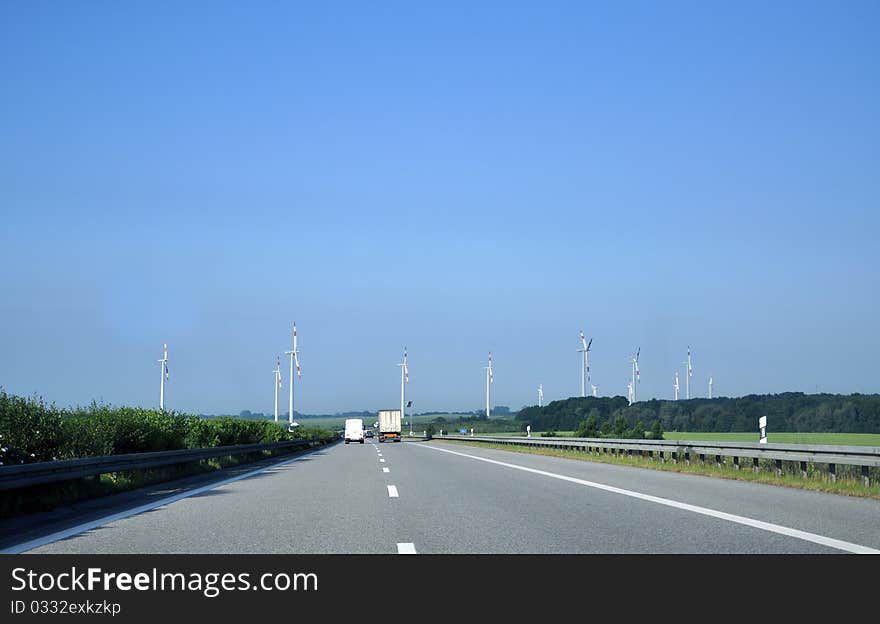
(105, 430)
(200, 433)
(587, 428)
(30, 431)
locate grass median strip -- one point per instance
(815, 480)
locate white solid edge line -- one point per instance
(758, 524)
(94, 524)
(392, 491)
(382, 460)
(385, 469)
(406, 548)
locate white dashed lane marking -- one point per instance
(392, 491)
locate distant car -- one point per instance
(368, 433)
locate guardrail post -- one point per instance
(778, 463)
(674, 457)
(687, 458)
(718, 460)
(756, 466)
(832, 472)
(702, 458)
(662, 459)
(804, 469)
(736, 462)
(866, 479)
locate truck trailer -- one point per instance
(389, 425)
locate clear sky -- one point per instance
(454, 177)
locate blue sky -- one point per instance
(454, 177)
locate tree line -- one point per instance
(789, 411)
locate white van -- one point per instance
(354, 430)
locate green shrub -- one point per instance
(587, 428)
(31, 431)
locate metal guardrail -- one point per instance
(23, 475)
(684, 450)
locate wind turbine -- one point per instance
(490, 379)
(294, 356)
(585, 364)
(540, 395)
(636, 377)
(629, 392)
(595, 390)
(404, 379)
(687, 377)
(277, 373)
(710, 386)
(163, 376)
(675, 386)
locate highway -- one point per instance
(444, 498)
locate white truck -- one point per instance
(389, 425)
(354, 430)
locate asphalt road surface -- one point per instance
(436, 497)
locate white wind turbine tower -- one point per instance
(294, 356)
(675, 386)
(404, 379)
(585, 364)
(689, 373)
(710, 386)
(163, 376)
(490, 379)
(595, 390)
(629, 392)
(636, 377)
(277, 373)
(540, 395)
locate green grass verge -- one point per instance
(844, 439)
(847, 482)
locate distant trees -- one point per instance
(790, 411)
